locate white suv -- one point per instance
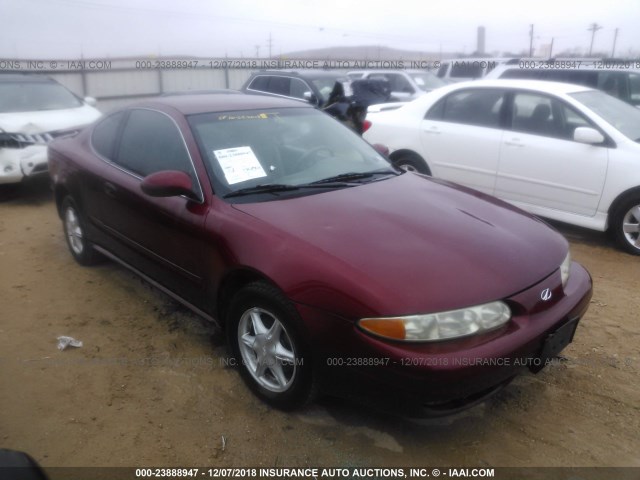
(622, 81)
(33, 111)
(405, 85)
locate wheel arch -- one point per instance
(60, 192)
(232, 283)
(618, 201)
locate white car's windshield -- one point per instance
(427, 81)
(35, 96)
(619, 114)
(289, 147)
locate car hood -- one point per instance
(407, 245)
(47, 120)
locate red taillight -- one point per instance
(366, 125)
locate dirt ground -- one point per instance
(149, 386)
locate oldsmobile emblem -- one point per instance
(545, 295)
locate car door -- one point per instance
(461, 136)
(540, 163)
(160, 236)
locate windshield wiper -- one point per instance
(354, 176)
(280, 187)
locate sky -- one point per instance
(71, 29)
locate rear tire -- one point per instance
(263, 335)
(75, 234)
(625, 224)
(412, 163)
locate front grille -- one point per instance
(21, 140)
(32, 139)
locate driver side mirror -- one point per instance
(310, 97)
(588, 135)
(168, 183)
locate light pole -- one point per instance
(593, 28)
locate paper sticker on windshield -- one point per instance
(239, 164)
(419, 81)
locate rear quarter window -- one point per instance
(104, 136)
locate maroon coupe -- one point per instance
(328, 269)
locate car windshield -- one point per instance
(427, 81)
(619, 114)
(289, 149)
(35, 96)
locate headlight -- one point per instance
(564, 269)
(440, 326)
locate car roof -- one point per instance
(217, 102)
(24, 78)
(539, 85)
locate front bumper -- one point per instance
(18, 163)
(427, 379)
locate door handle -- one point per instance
(514, 143)
(109, 188)
(432, 130)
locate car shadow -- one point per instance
(35, 191)
(582, 235)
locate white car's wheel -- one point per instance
(412, 163)
(626, 224)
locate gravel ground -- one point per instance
(149, 386)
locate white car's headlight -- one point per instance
(565, 267)
(439, 326)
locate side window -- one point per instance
(466, 69)
(634, 89)
(442, 71)
(471, 107)
(541, 115)
(523, 73)
(279, 85)
(104, 135)
(611, 83)
(260, 83)
(150, 143)
(436, 112)
(570, 120)
(399, 83)
(532, 113)
(298, 88)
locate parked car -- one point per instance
(332, 92)
(565, 152)
(33, 110)
(327, 268)
(313, 86)
(405, 85)
(623, 83)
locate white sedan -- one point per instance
(560, 151)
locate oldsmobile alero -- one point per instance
(328, 269)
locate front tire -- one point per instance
(625, 224)
(411, 163)
(75, 234)
(263, 335)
